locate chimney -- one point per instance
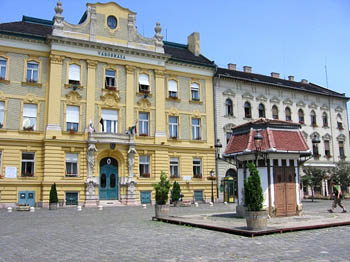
(193, 42)
(275, 75)
(304, 81)
(231, 66)
(247, 69)
(291, 78)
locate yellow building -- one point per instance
(101, 111)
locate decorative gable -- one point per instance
(248, 95)
(110, 98)
(339, 109)
(229, 92)
(327, 137)
(313, 105)
(301, 104)
(261, 98)
(324, 107)
(275, 100)
(144, 103)
(287, 101)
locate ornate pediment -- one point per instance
(324, 107)
(261, 98)
(275, 100)
(327, 137)
(173, 112)
(315, 134)
(339, 109)
(30, 98)
(144, 103)
(248, 95)
(301, 104)
(196, 113)
(341, 137)
(73, 98)
(229, 92)
(228, 127)
(313, 105)
(288, 101)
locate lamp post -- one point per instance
(212, 184)
(218, 146)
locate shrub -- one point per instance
(53, 194)
(175, 192)
(253, 193)
(162, 189)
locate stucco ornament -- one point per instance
(58, 18)
(131, 160)
(158, 37)
(91, 159)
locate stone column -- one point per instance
(91, 181)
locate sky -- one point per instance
(307, 39)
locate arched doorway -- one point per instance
(230, 186)
(109, 179)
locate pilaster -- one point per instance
(160, 129)
(90, 92)
(130, 95)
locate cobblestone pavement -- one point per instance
(129, 234)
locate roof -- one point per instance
(180, 52)
(278, 136)
(258, 78)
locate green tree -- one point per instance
(313, 178)
(162, 189)
(341, 173)
(253, 193)
(175, 192)
(53, 194)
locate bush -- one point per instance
(253, 193)
(162, 189)
(53, 194)
(175, 192)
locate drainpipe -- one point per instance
(215, 82)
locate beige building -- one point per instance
(101, 111)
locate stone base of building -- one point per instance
(91, 203)
(240, 210)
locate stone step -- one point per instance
(110, 203)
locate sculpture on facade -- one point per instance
(91, 159)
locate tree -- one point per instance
(53, 194)
(341, 173)
(175, 193)
(162, 189)
(253, 193)
(313, 177)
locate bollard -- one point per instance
(225, 203)
(100, 208)
(144, 206)
(196, 204)
(9, 209)
(32, 209)
(211, 204)
(79, 208)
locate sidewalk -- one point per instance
(315, 216)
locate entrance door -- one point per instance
(26, 198)
(108, 179)
(285, 191)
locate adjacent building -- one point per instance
(101, 111)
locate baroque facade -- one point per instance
(101, 111)
(242, 96)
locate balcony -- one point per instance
(109, 138)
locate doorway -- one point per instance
(109, 180)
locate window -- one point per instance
(313, 118)
(274, 112)
(261, 109)
(144, 124)
(0, 162)
(2, 114)
(247, 110)
(71, 164)
(341, 149)
(110, 121)
(229, 107)
(110, 78)
(29, 116)
(301, 116)
(288, 114)
(339, 122)
(315, 151)
(144, 83)
(174, 167)
(228, 136)
(327, 150)
(195, 92)
(27, 164)
(74, 74)
(72, 118)
(325, 119)
(197, 168)
(32, 72)
(173, 126)
(172, 89)
(196, 129)
(3, 65)
(71, 198)
(144, 166)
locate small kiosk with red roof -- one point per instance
(278, 149)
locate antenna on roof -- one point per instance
(166, 34)
(325, 68)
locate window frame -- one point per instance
(144, 166)
(111, 122)
(2, 114)
(30, 118)
(109, 78)
(70, 80)
(195, 90)
(171, 93)
(341, 149)
(143, 122)
(4, 76)
(72, 163)
(325, 119)
(327, 148)
(72, 126)
(142, 87)
(174, 167)
(173, 127)
(24, 164)
(340, 122)
(301, 116)
(275, 112)
(288, 113)
(313, 118)
(197, 167)
(261, 110)
(247, 110)
(32, 70)
(196, 129)
(228, 107)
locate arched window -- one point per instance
(288, 114)
(247, 110)
(339, 122)
(229, 107)
(274, 112)
(261, 111)
(301, 116)
(325, 119)
(313, 118)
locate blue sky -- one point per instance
(292, 37)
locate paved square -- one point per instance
(128, 234)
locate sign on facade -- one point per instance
(10, 172)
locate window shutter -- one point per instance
(72, 114)
(71, 157)
(74, 72)
(194, 86)
(172, 86)
(143, 79)
(29, 110)
(109, 114)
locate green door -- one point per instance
(26, 198)
(145, 197)
(108, 179)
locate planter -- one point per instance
(256, 220)
(161, 210)
(52, 206)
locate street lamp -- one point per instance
(212, 184)
(218, 145)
